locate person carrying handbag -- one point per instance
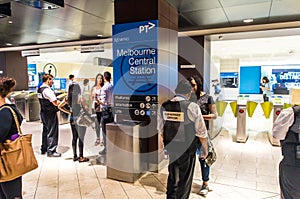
(75, 101)
(13, 188)
(209, 112)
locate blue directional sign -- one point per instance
(31, 69)
(135, 58)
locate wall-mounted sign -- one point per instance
(31, 69)
(92, 48)
(27, 53)
(50, 69)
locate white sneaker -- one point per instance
(204, 190)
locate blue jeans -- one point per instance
(205, 169)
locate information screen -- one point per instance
(282, 77)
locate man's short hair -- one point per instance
(183, 87)
(71, 76)
(107, 76)
(45, 77)
(85, 81)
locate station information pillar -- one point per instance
(145, 48)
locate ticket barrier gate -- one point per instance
(239, 111)
(241, 128)
(18, 98)
(32, 107)
(276, 111)
(215, 126)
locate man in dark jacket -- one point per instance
(180, 123)
(286, 129)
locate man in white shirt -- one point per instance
(49, 103)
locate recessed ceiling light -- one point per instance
(10, 22)
(8, 44)
(250, 20)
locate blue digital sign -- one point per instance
(135, 58)
(31, 69)
(250, 79)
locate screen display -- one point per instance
(229, 79)
(250, 79)
(282, 78)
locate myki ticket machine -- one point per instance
(241, 128)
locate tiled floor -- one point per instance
(242, 170)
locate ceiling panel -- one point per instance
(192, 5)
(230, 3)
(207, 17)
(285, 7)
(238, 13)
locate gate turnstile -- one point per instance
(276, 111)
(241, 129)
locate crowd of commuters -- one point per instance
(75, 102)
(183, 123)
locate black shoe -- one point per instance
(75, 158)
(103, 152)
(83, 159)
(54, 154)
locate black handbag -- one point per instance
(107, 114)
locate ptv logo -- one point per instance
(146, 28)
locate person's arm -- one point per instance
(194, 114)
(160, 128)
(62, 108)
(282, 123)
(212, 110)
(92, 94)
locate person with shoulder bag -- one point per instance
(96, 107)
(209, 112)
(10, 189)
(286, 129)
(75, 101)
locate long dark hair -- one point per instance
(199, 84)
(73, 94)
(102, 83)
